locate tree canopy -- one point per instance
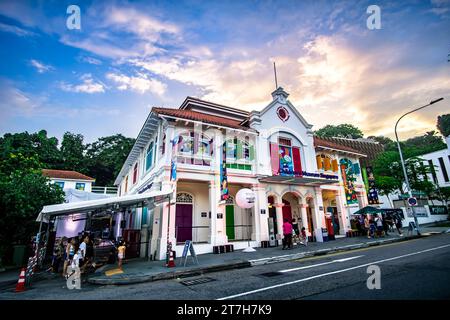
(443, 124)
(340, 131)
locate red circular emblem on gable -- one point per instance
(283, 114)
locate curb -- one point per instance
(248, 263)
(170, 275)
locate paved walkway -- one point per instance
(141, 270)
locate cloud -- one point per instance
(88, 85)
(16, 30)
(40, 67)
(140, 83)
(89, 60)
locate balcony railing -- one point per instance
(104, 190)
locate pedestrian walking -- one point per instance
(399, 225)
(295, 226)
(379, 223)
(70, 253)
(367, 226)
(304, 236)
(58, 254)
(287, 232)
(121, 253)
(82, 251)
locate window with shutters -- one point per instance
(194, 148)
(239, 153)
(326, 162)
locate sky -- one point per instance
(129, 56)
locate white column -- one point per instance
(279, 210)
(260, 222)
(344, 220)
(304, 216)
(167, 219)
(318, 211)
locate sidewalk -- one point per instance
(141, 270)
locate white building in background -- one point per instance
(272, 152)
(67, 179)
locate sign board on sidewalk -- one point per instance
(189, 247)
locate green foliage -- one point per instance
(341, 131)
(72, 152)
(23, 193)
(443, 124)
(106, 156)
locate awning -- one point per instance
(368, 210)
(108, 203)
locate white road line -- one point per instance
(320, 264)
(330, 273)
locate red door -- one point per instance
(287, 214)
(183, 222)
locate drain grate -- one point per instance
(193, 282)
(271, 274)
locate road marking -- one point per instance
(330, 273)
(320, 264)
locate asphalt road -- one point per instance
(417, 269)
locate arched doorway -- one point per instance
(287, 211)
(183, 217)
(229, 218)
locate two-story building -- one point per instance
(272, 152)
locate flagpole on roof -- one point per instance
(275, 72)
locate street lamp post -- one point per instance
(401, 156)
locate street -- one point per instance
(416, 269)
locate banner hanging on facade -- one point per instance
(372, 195)
(173, 165)
(349, 178)
(223, 173)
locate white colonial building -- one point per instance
(272, 152)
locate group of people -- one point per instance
(75, 252)
(377, 226)
(291, 231)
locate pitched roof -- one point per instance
(366, 146)
(198, 116)
(330, 143)
(65, 174)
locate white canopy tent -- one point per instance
(107, 203)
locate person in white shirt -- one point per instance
(82, 251)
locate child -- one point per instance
(121, 253)
(304, 237)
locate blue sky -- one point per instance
(130, 56)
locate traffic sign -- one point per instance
(412, 201)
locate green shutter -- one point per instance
(239, 154)
(251, 153)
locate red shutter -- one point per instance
(297, 161)
(274, 159)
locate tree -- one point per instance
(427, 143)
(381, 139)
(32, 145)
(341, 131)
(106, 156)
(23, 193)
(72, 152)
(443, 124)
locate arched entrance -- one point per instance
(183, 217)
(287, 211)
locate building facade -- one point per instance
(204, 153)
